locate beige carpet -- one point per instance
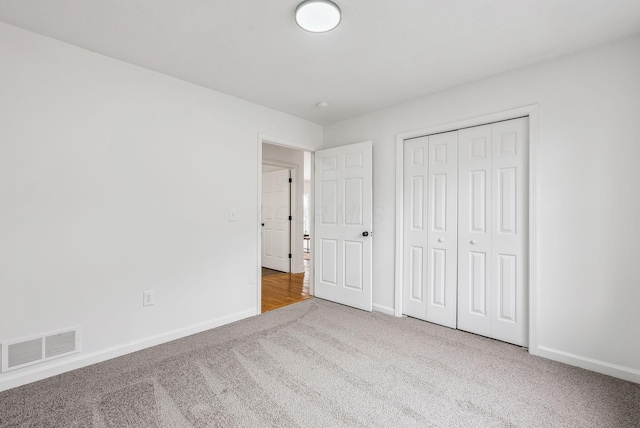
(320, 364)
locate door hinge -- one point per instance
(290, 255)
(290, 218)
(290, 180)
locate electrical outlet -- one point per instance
(148, 298)
(233, 216)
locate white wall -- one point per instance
(115, 180)
(587, 194)
(272, 154)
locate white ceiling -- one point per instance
(384, 52)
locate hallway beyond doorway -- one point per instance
(284, 289)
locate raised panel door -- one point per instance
(509, 257)
(474, 230)
(416, 182)
(344, 210)
(442, 244)
(276, 230)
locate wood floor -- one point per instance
(270, 272)
(285, 289)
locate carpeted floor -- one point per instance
(320, 364)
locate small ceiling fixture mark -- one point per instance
(318, 16)
(322, 104)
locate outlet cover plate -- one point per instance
(148, 298)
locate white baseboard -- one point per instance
(614, 370)
(56, 367)
(383, 309)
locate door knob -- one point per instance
(365, 233)
(473, 242)
(440, 240)
(263, 224)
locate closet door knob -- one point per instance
(473, 242)
(440, 240)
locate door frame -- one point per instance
(530, 111)
(276, 141)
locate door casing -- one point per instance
(530, 111)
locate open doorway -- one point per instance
(285, 226)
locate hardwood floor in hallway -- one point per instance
(285, 289)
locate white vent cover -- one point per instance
(59, 344)
(37, 349)
(23, 353)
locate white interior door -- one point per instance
(510, 249)
(416, 177)
(343, 225)
(493, 232)
(474, 230)
(430, 228)
(442, 221)
(276, 227)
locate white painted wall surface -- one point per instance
(274, 154)
(115, 180)
(587, 194)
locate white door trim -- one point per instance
(262, 138)
(531, 111)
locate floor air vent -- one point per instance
(38, 349)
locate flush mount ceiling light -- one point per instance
(318, 16)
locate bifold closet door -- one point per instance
(493, 231)
(430, 230)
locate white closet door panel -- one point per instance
(510, 148)
(474, 230)
(415, 253)
(442, 269)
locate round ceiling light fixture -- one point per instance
(318, 16)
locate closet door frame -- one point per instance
(531, 112)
